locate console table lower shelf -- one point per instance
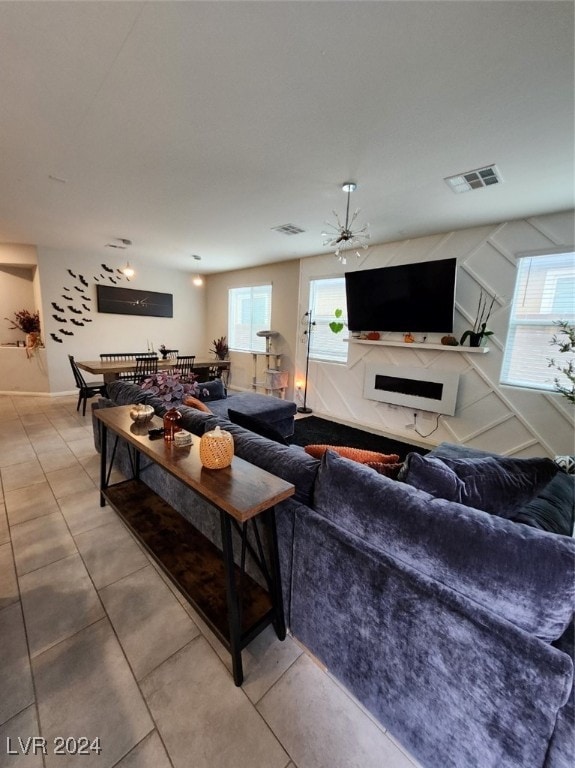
(231, 602)
(192, 561)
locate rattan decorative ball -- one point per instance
(216, 449)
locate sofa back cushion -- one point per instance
(124, 393)
(553, 509)
(495, 484)
(211, 390)
(520, 573)
(290, 463)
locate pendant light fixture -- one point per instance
(128, 271)
(344, 238)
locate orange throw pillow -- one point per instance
(389, 470)
(193, 402)
(355, 454)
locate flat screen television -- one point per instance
(410, 297)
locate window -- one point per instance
(544, 293)
(249, 311)
(325, 296)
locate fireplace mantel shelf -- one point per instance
(420, 345)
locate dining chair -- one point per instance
(147, 365)
(184, 364)
(86, 389)
(123, 355)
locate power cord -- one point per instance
(429, 433)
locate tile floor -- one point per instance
(94, 643)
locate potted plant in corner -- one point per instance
(28, 323)
(220, 348)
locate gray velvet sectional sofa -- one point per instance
(453, 625)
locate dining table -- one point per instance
(112, 369)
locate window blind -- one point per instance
(544, 293)
(325, 296)
(249, 311)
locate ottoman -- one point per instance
(279, 414)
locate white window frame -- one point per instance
(528, 348)
(326, 294)
(242, 334)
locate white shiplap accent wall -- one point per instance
(488, 416)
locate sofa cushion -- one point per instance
(290, 463)
(495, 484)
(383, 468)
(553, 509)
(125, 393)
(355, 454)
(193, 402)
(273, 410)
(256, 425)
(518, 572)
(211, 390)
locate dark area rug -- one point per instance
(315, 431)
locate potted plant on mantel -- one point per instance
(28, 323)
(479, 331)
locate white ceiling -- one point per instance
(196, 127)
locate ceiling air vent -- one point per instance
(288, 229)
(476, 179)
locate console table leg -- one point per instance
(103, 456)
(232, 599)
(277, 597)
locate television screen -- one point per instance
(410, 297)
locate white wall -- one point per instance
(284, 278)
(488, 416)
(110, 332)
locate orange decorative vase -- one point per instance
(172, 419)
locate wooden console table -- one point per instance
(233, 604)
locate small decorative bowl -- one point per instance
(141, 413)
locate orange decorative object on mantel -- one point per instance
(408, 338)
(373, 336)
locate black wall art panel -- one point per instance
(127, 301)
